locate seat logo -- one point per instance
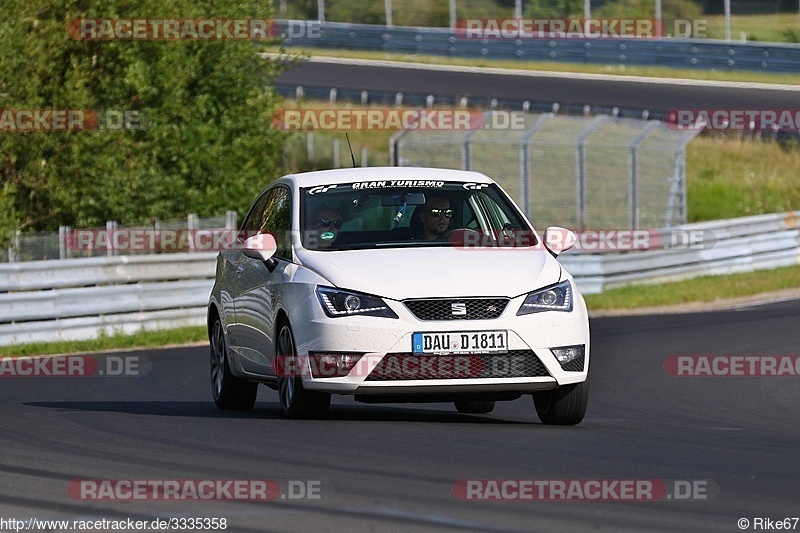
(458, 308)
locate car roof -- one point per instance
(348, 175)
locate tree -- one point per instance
(671, 9)
(207, 144)
(554, 9)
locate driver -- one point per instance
(325, 226)
(436, 216)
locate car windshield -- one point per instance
(385, 214)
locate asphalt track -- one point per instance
(655, 95)
(393, 467)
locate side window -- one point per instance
(468, 217)
(277, 220)
(499, 217)
(252, 223)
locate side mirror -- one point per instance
(261, 246)
(558, 239)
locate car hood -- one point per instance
(401, 273)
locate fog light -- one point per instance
(333, 365)
(568, 353)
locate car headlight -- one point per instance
(338, 303)
(557, 297)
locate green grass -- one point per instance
(115, 341)
(618, 70)
(728, 177)
(700, 289)
(773, 27)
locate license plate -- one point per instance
(460, 342)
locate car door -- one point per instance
(259, 284)
(231, 263)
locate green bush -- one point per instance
(791, 36)
(551, 9)
(208, 146)
(670, 9)
(364, 12)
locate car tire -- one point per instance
(564, 406)
(229, 391)
(475, 407)
(296, 401)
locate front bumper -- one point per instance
(385, 342)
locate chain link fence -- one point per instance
(598, 172)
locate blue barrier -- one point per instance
(676, 53)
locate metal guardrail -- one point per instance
(739, 245)
(677, 53)
(75, 299)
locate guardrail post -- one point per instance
(13, 250)
(335, 152)
(394, 144)
(157, 234)
(192, 224)
(111, 228)
(230, 220)
(63, 231)
(310, 146)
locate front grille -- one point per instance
(576, 365)
(476, 308)
(408, 366)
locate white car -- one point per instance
(397, 285)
